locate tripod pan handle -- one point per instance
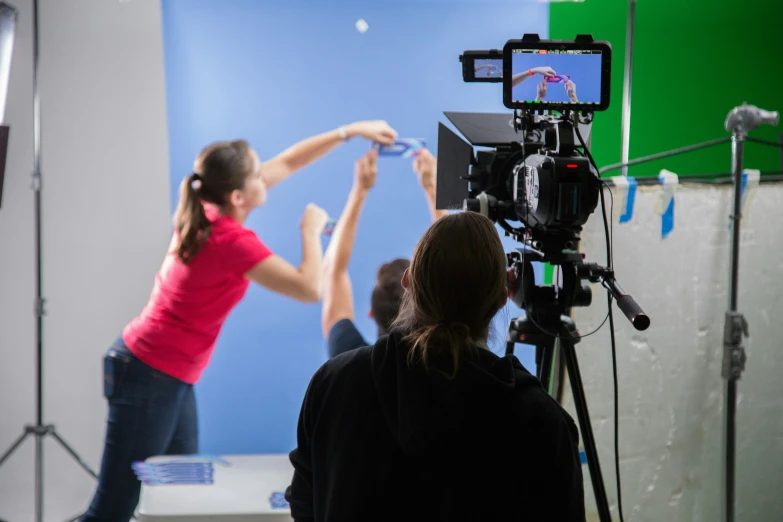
(633, 312)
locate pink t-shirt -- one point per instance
(176, 331)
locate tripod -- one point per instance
(39, 430)
(546, 320)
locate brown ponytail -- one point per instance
(190, 220)
(456, 285)
(220, 169)
(450, 339)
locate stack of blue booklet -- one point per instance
(278, 501)
(174, 472)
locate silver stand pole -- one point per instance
(739, 122)
(39, 430)
(627, 77)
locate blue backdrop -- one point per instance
(276, 72)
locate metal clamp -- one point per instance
(734, 356)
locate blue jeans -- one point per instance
(150, 413)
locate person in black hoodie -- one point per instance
(428, 424)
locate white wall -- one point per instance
(105, 227)
(671, 391)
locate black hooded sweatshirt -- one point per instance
(381, 440)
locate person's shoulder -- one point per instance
(348, 371)
(346, 362)
(534, 404)
(226, 229)
(234, 236)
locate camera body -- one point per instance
(539, 181)
(546, 192)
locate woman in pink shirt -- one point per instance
(150, 371)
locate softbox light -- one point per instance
(8, 16)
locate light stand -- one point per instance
(39, 430)
(739, 122)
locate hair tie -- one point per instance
(195, 181)
(451, 324)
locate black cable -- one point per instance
(616, 412)
(610, 261)
(614, 372)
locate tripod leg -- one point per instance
(545, 354)
(558, 375)
(76, 457)
(18, 442)
(569, 354)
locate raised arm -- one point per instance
(337, 292)
(518, 78)
(307, 151)
(570, 88)
(302, 283)
(425, 166)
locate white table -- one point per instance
(240, 493)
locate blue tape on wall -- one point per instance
(669, 182)
(667, 220)
(743, 195)
(630, 199)
(743, 186)
(582, 457)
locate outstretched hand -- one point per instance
(377, 130)
(314, 219)
(544, 71)
(570, 88)
(366, 170)
(425, 166)
(541, 89)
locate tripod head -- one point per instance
(546, 304)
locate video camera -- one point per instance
(534, 172)
(535, 167)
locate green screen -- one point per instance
(694, 60)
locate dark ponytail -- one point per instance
(452, 340)
(190, 220)
(456, 285)
(220, 169)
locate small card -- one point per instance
(329, 227)
(403, 147)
